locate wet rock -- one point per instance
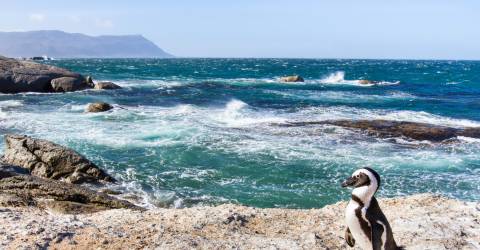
(49, 160)
(68, 84)
(411, 130)
(366, 82)
(106, 85)
(58, 196)
(98, 107)
(295, 78)
(27, 76)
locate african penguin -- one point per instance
(366, 224)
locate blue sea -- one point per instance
(188, 132)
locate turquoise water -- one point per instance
(199, 131)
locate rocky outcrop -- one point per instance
(386, 128)
(49, 160)
(68, 84)
(27, 190)
(106, 85)
(418, 222)
(295, 78)
(98, 107)
(27, 76)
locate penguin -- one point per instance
(367, 226)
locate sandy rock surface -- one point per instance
(419, 222)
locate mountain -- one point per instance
(59, 44)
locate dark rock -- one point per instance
(295, 78)
(99, 107)
(106, 85)
(49, 160)
(385, 128)
(68, 84)
(58, 196)
(10, 170)
(27, 76)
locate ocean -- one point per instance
(188, 132)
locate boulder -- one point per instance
(49, 160)
(411, 130)
(295, 78)
(22, 190)
(27, 76)
(106, 85)
(68, 84)
(98, 107)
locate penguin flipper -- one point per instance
(377, 231)
(349, 238)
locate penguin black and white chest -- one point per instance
(367, 226)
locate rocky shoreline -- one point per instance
(49, 198)
(419, 222)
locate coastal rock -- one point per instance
(27, 76)
(366, 82)
(295, 78)
(106, 85)
(68, 84)
(423, 221)
(99, 107)
(386, 128)
(20, 190)
(49, 160)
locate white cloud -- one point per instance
(37, 17)
(104, 23)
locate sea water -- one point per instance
(188, 132)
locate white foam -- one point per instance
(339, 78)
(10, 104)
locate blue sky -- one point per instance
(417, 29)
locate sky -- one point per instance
(401, 29)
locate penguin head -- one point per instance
(364, 177)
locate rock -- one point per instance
(10, 170)
(49, 160)
(106, 85)
(55, 195)
(68, 84)
(385, 128)
(27, 76)
(367, 82)
(99, 107)
(295, 78)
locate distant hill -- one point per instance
(59, 44)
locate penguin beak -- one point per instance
(349, 182)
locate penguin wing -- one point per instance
(376, 218)
(377, 232)
(349, 238)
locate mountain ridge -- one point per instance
(60, 44)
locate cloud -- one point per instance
(37, 17)
(104, 23)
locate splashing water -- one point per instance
(202, 131)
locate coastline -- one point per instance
(423, 221)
